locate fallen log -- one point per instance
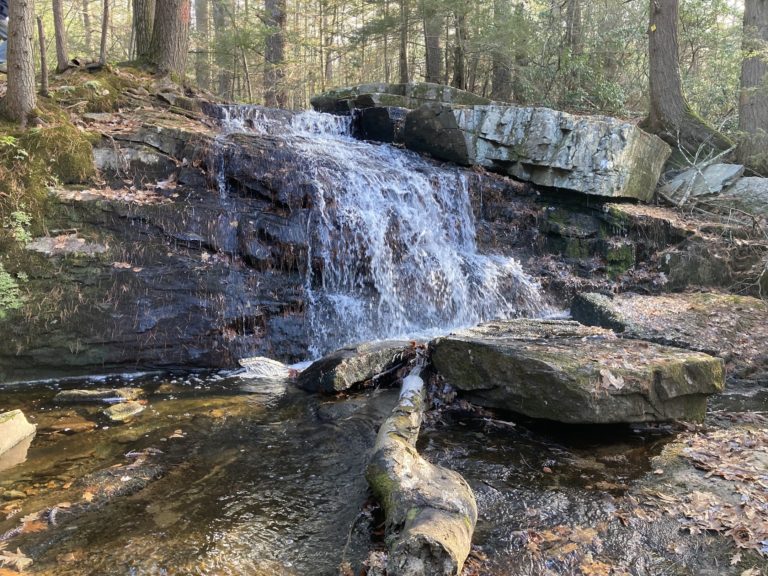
(430, 511)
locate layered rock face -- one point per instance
(567, 372)
(598, 155)
(198, 263)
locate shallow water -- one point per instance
(252, 483)
(254, 477)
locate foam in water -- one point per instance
(395, 237)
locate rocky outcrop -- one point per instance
(412, 95)
(568, 372)
(430, 511)
(732, 327)
(354, 366)
(693, 183)
(596, 155)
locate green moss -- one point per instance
(68, 150)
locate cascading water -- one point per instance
(392, 238)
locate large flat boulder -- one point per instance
(564, 371)
(732, 327)
(411, 95)
(595, 155)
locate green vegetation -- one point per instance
(10, 293)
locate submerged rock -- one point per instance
(732, 327)
(124, 412)
(595, 155)
(99, 395)
(354, 365)
(564, 371)
(16, 434)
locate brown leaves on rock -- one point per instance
(740, 457)
(18, 560)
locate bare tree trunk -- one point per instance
(202, 59)
(274, 55)
(403, 58)
(143, 24)
(20, 96)
(43, 58)
(753, 99)
(433, 28)
(62, 52)
(459, 51)
(521, 58)
(87, 27)
(104, 33)
(387, 72)
(573, 41)
(222, 14)
(669, 115)
(500, 64)
(170, 37)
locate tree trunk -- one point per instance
(459, 52)
(62, 52)
(87, 27)
(202, 59)
(669, 115)
(43, 58)
(573, 42)
(222, 14)
(170, 37)
(753, 99)
(433, 28)
(143, 23)
(501, 66)
(274, 55)
(20, 96)
(403, 57)
(104, 33)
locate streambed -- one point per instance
(222, 475)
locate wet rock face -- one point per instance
(732, 327)
(355, 365)
(189, 277)
(563, 371)
(600, 156)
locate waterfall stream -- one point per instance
(391, 238)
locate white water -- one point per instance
(395, 237)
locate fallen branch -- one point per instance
(430, 511)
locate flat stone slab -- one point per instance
(98, 396)
(564, 371)
(353, 366)
(411, 95)
(14, 428)
(124, 412)
(596, 155)
(694, 183)
(732, 327)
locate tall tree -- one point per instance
(403, 55)
(62, 51)
(460, 49)
(753, 97)
(222, 18)
(202, 58)
(143, 23)
(433, 28)
(170, 37)
(274, 55)
(105, 16)
(501, 67)
(87, 27)
(20, 95)
(669, 114)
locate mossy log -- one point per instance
(430, 511)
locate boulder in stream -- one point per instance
(596, 155)
(564, 371)
(16, 434)
(124, 412)
(726, 325)
(98, 396)
(354, 365)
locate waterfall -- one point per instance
(391, 238)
